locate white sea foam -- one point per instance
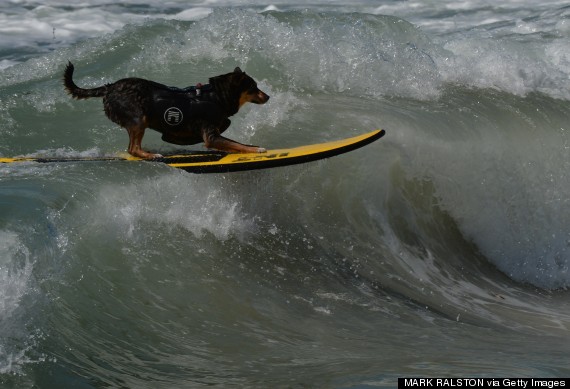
(15, 282)
(173, 201)
(15, 272)
(456, 42)
(57, 24)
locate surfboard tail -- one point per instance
(77, 92)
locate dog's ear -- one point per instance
(237, 70)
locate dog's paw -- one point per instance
(156, 156)
(261, 150)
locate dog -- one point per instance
(184, 116)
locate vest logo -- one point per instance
(173, 116)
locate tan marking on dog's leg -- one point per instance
(136, 134)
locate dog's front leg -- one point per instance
(213, 140)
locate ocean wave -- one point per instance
(356, 54)
(452, 226)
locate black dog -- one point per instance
(184, 116)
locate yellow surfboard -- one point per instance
(220, 162)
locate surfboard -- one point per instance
(221, 162)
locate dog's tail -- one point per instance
(77, 92)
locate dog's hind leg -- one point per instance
(136, 134)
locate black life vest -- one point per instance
(178, 109)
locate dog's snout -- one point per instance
(264, 97)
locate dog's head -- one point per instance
(244, 87)
(249, 92)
